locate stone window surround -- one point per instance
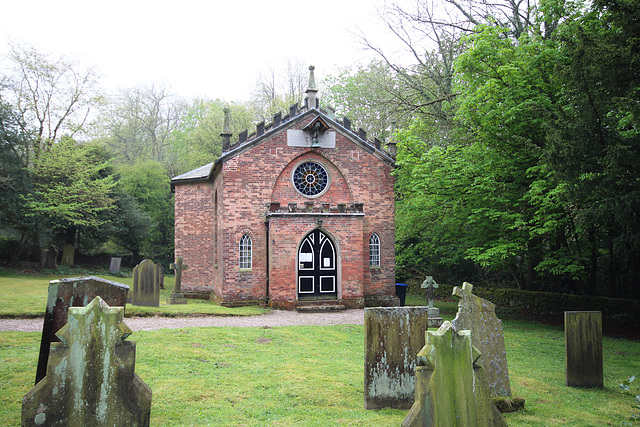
(374, 250)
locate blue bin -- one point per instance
(401, 292)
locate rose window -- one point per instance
(310, 179)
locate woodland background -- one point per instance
(518, 135)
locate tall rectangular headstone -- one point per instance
(73, 292)
(50, 258)
(393, 338)
(146, 284)
(68, 255)
(583, 348)
(114, 266)
(91, 379)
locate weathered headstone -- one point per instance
(68, 255)
(50, 258)
(73, 292)
(114, 266)
(91, 378)
(479, 316)
(583, 348)
(434, 313)
(146, 284)
(393, 337)
(161, 275)
(177, 297)
(451, 387)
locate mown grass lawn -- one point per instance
(313, 376)
(25, 295)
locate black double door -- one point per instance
(317, 271)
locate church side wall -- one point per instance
(194, 222)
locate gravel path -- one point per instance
(274, 318)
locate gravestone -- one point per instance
(393, 337)
(583, 348)
(114, 266)
(451, 386)
(50, 258)
(73, 292)
(434, 313)
(68, 255)
(161, 274)
(479, 316)
(91, 379)
(146, 284)
(177, 297)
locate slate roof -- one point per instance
(279, 123)
(199, 174)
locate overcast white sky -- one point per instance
(212, 49)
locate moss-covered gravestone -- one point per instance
(73, 292)
(68, 255)
(583, 348)
(451, 384)
(393, 337)
(479, 316)
(147, 278)
(90, 377)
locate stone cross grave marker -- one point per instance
(430, 285)
(434, 313)
(68, 255)
(479, 316)
(146, 284)
(91, 379)
(451, 386)
(114, 266)
(177, 297)
(583, 348)
(73, 292)
(393, 337)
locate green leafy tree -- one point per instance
(368, 96)
(131, 227)
(72, 186)
(196, 140)
(15, 181)
(148, 184)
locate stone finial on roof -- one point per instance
(311, 92)
(226, 132)
(391, 144)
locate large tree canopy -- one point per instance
(539, 181)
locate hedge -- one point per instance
(615, 311)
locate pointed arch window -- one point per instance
(245, 251)
(374, 250)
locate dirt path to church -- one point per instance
(273, 319)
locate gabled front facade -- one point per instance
(300, 212)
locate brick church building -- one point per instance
(301, 212)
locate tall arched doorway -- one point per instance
(317, 268)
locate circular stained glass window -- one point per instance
(310, 178)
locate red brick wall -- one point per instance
(247, 183)
(286, 231)
(194, 220)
